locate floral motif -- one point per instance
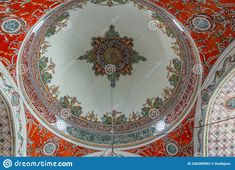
(72, 104)
(162, 25)
(112, 50)
(114, 117)
(112, 56)
(49, 148)
(47, 66)
(182, 12)
(109, 2)
(151, 104)
(154, 103)
(46, 70)
(60, 23)
(202, 22)
(11, 26)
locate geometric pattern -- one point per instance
(221, 140)
(210, 89)
(7, 139)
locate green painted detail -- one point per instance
(112, 50)
(123, 66)
(58, 24)
(106, 139)
(109, 2)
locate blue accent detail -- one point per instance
(230, 103)
(11, 25)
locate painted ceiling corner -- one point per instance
(121, 78)
(215, 106)
(13, 122)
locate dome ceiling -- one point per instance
(210, 24)
(214, 114)
(102, 78)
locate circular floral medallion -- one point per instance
(172, 149)
(49, 148)
(15, 99)
(108, 76)
(11, 26)
(202, 22)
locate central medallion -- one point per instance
(112, 55)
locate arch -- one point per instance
(12, 106)
(216, 78)
(7, 130)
